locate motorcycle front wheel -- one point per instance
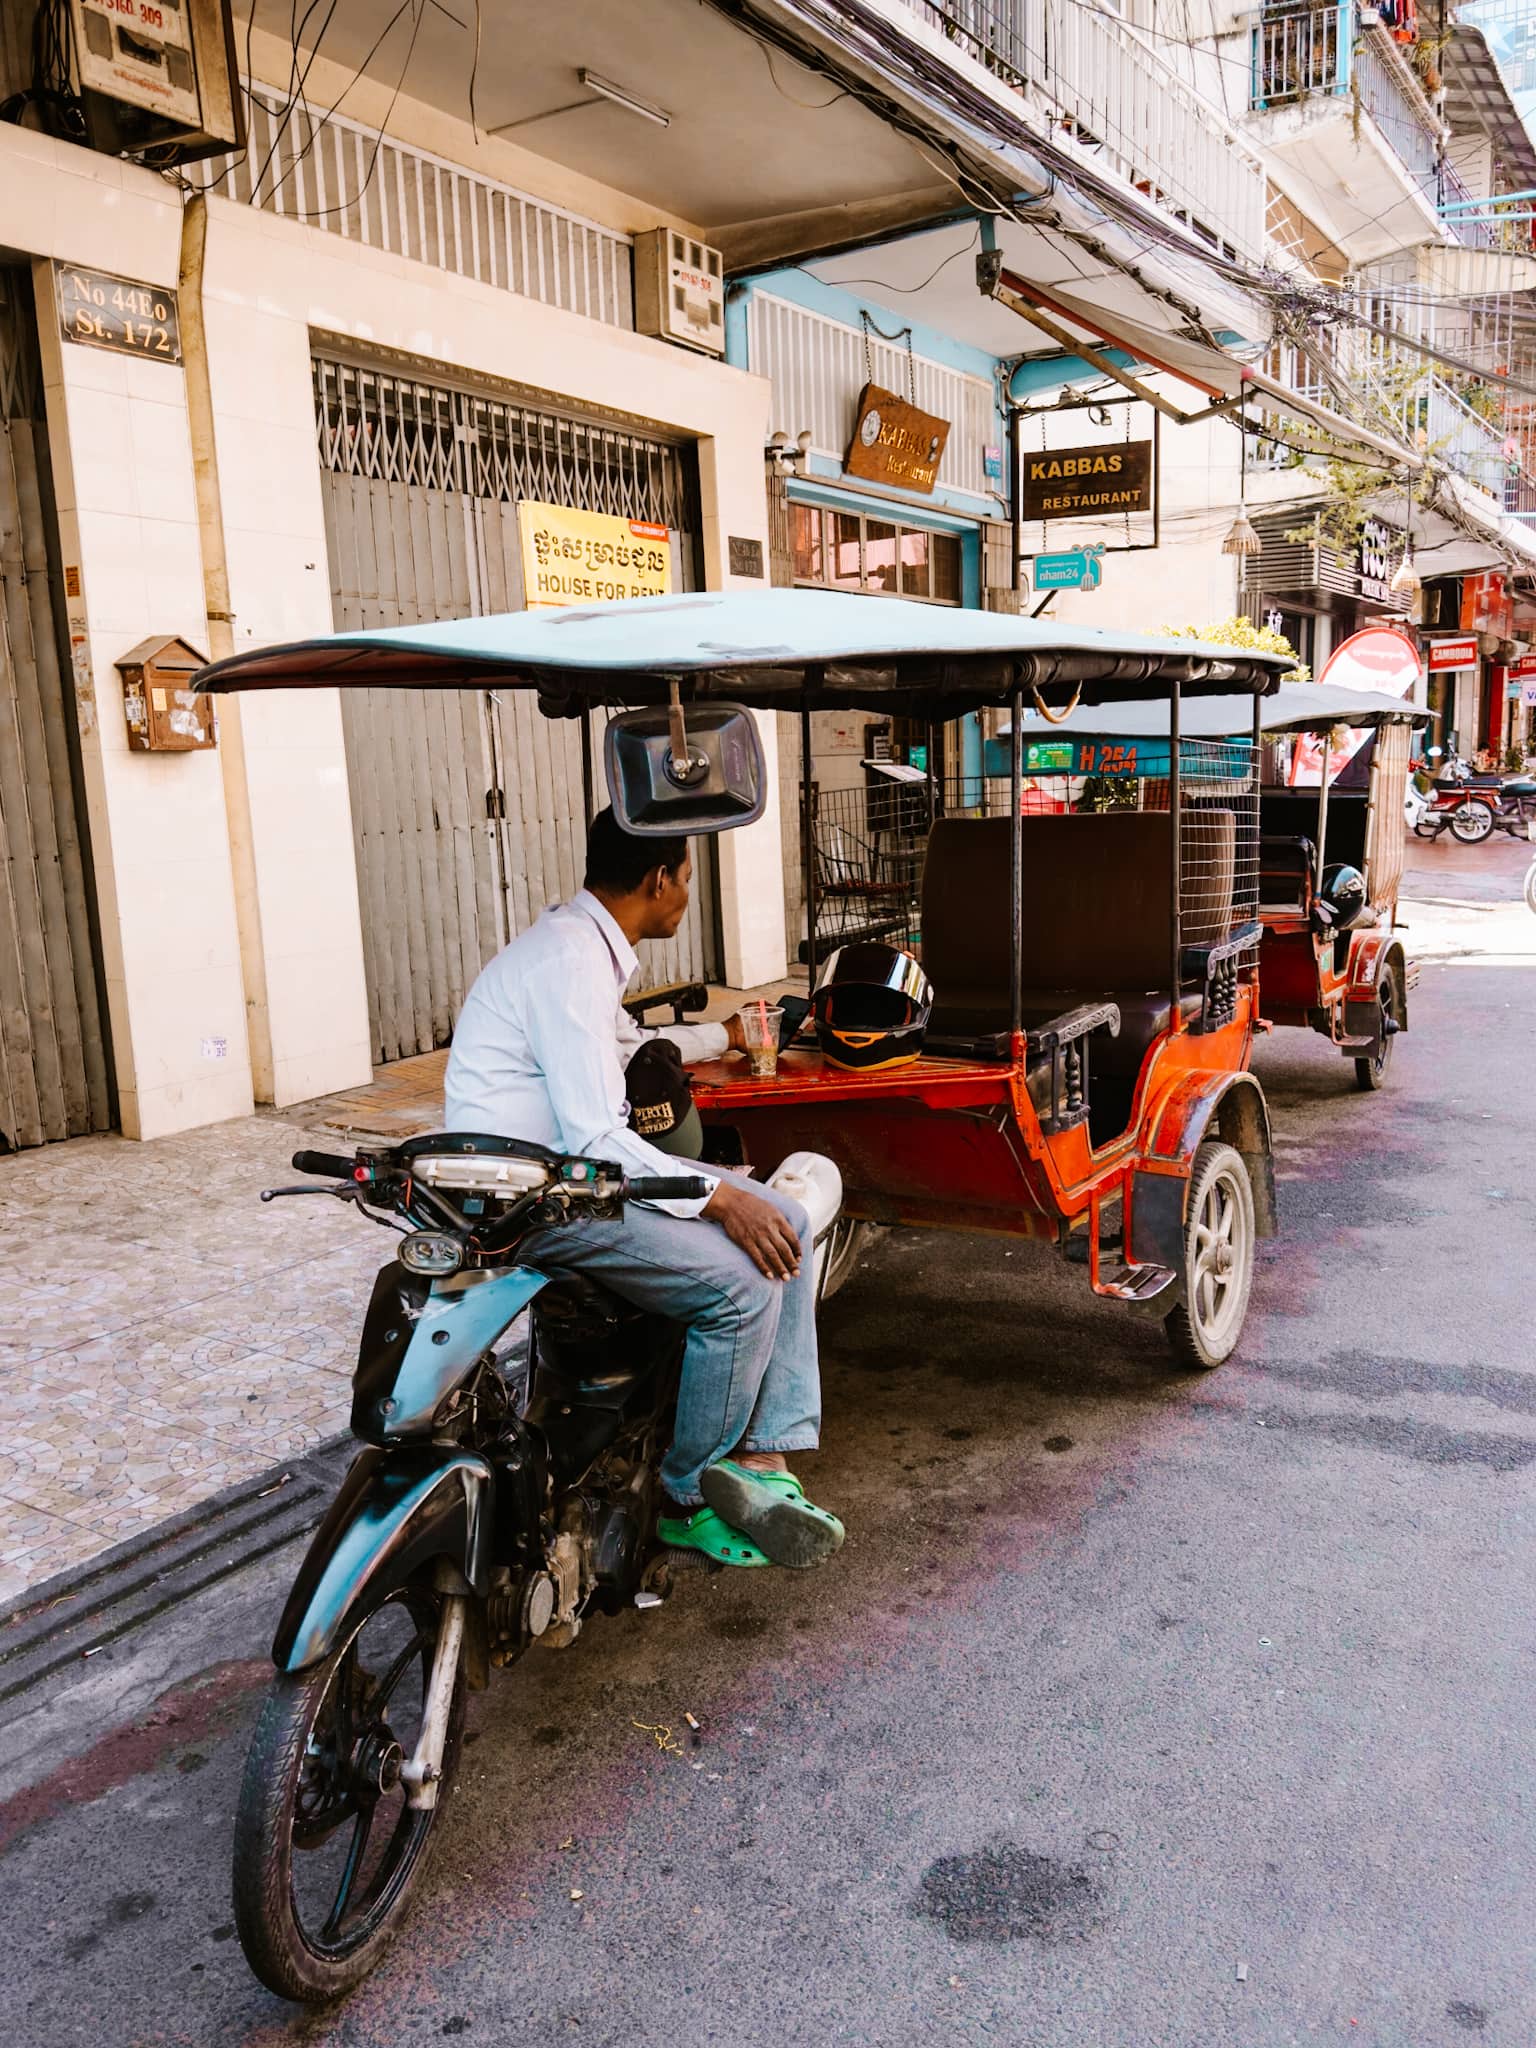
(1471, 823)
(327, 1851)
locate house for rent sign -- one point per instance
(589, 557)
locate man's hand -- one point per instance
(735, 1035)
(758, 1227)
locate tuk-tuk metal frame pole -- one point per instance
(586, 764)
(1016, 874)
(807, 842)
(1320, 855)
(1175, 802)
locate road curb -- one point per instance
(79, 1612)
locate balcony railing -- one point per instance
(1302, 52)
(1123, 101)
(1465, 439)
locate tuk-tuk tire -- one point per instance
(1371, 1068)
(1193, 1346)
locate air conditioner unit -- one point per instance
(680, 291)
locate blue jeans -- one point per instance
(751, 1379)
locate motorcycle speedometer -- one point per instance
(431, 1251)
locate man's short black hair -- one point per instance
(620, 861)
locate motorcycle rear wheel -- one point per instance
(1471, 823)
(321, 1776)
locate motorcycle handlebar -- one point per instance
(330, 1165)
(683, 1187)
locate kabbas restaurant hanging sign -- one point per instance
(895, 443)
(1082, 483)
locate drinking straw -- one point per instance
(762, 1017)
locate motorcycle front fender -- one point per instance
(396, 1512)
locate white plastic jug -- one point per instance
(812, 1180)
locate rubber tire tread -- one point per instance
(1368, 1076)
(281, 1959)
(1183, 1340)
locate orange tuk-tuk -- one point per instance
(1333, 768)
(1085, 1074)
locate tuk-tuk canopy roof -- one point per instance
(1294, 707)
(764, 648)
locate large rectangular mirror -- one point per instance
(724, 782)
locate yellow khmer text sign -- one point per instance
(587, 557)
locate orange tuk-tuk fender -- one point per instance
(1371, 954)
(1178, 1123)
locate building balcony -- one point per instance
(1104, 88)
(1350, 136)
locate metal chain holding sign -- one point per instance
(869, 330)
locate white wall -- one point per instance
(269, 283)
(128, 525)
(160, 824)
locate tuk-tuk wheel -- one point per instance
(1371, 1072)
(1218, 1260)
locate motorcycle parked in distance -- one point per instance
(496, 1506)
(1471, 806)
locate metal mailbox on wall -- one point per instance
(165, 715)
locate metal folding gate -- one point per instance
(53, 1067)
(467, 805)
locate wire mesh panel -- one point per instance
(870, 843)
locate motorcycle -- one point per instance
(1473, 806)
(504, 1497)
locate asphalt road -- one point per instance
(1139, 1709)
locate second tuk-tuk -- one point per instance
(1333, 766)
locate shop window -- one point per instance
(847, 551)
(946, 568)
(807, 527)
(914, 564)
(879, 555)
(847, 569)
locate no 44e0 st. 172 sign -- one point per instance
(589, 557)
(117, 313)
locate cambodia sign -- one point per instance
(1452, 654)
(894, 443)
(585, 557)
(1077, 569)
(1082, 483)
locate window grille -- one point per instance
(347, 179)
(399, 429)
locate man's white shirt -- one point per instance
(540, 1050)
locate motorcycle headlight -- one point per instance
(431, 1251)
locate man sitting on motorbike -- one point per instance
(538, 1055)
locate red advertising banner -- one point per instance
(1458, 653)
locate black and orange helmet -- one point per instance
(871, 1007)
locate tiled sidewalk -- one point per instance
(167, 1334)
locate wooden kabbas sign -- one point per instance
(1084, 483)
(103, 311)
(894, 443)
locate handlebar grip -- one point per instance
(682, 1187)
(332, 1165)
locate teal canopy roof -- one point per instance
(1294, 707)
(772, 648)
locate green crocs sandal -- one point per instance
(771, 1508)
(714, 1538)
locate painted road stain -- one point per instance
(1006, 1893)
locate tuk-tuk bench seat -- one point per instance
(1097, 919)
(1144, 1016)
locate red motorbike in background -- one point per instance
(1471, 806)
